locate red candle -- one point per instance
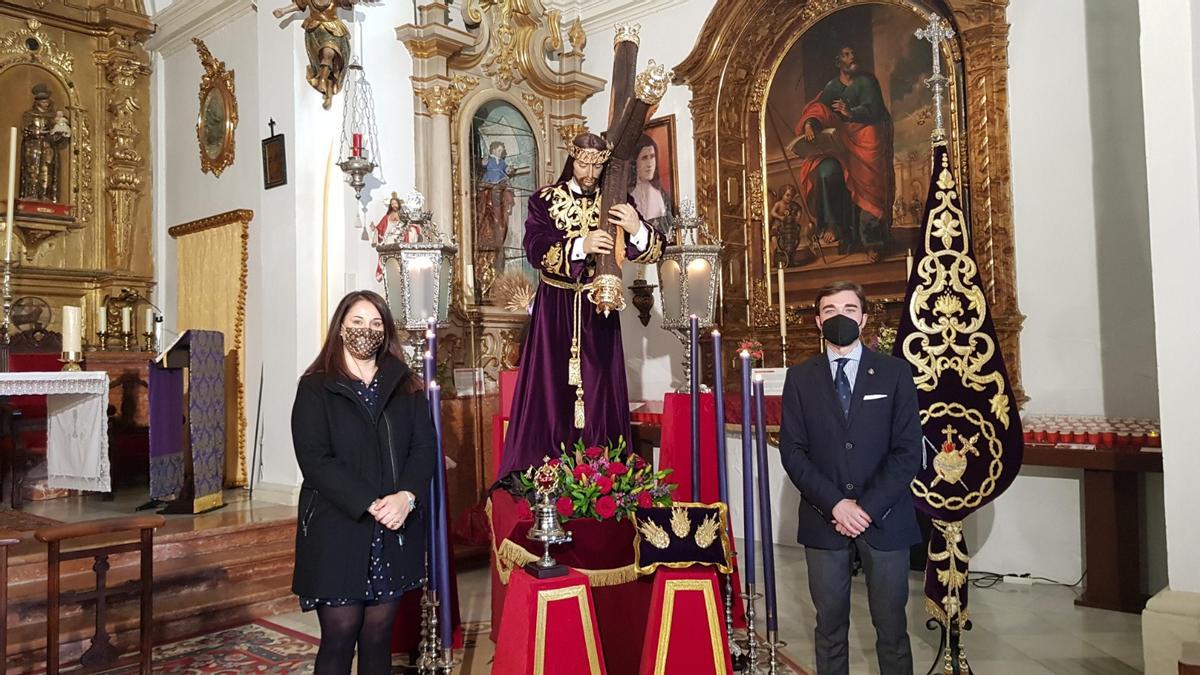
(357, 152)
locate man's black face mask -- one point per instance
(840, 330)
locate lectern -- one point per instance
(187, 422)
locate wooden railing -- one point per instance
(101, 653)
(6, 539)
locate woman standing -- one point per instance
(365, 444)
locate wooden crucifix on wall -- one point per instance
(634, 98)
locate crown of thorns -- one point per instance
(589, 155)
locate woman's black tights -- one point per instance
(367, 626)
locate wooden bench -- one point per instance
(102, 654)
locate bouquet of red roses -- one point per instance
(599, 482)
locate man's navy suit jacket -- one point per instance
(870, 456)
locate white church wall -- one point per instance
(182, 192)
(286, 317)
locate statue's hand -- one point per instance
(626, 217)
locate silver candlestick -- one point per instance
(752, 654)
(5, 337)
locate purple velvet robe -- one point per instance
(543, 405)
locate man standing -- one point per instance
(849, 191)
(572, 372)
(851, 442)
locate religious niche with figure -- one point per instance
(845, 160)
(504, 156)
(43, 148)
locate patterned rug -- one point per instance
(259, 647)
(19, 521)
(265, 647)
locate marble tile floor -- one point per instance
(1025, 630)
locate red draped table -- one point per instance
(602, 551)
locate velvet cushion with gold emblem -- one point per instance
(681, 535)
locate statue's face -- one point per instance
(587, 174)
(41, 104)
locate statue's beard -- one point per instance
(587, 185)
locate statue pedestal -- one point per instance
(35, 222)
(549, 626)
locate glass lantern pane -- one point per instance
(699, 277)
(421, 287)
(669, 278)
(393, 288)
(445, 277)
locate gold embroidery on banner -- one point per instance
(706, 533)
(655, 534)
(952, 578)
(953, 339)
(993, 444)
(681, 525)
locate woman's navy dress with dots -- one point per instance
(382, 584)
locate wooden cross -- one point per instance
(634, 98)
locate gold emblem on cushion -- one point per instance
(681, 525)
(654, 534)
(706, 534)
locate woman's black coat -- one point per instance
(349, 458)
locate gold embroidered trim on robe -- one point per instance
(553, 261)
(653, 251)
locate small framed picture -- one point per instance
(274, 159)
(468, 381)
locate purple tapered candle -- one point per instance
(694, 387)
(719, 393)
(747, 566)
(431, 349)
(764, 504)
(430, 373)
(441, 540)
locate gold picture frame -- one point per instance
(217, 118)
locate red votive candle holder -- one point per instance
(357, 151)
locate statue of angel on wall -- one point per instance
(327, 40)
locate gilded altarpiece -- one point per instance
(497, 101)
(757, 68)
(85, 232)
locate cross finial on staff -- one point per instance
(935, 32)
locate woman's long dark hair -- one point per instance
(331, 359)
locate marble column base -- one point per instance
(1171, 620)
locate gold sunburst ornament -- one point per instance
(681, 525)
(654, 533)
(707, 532)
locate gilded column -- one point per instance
(125, 183)
(441, 101)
